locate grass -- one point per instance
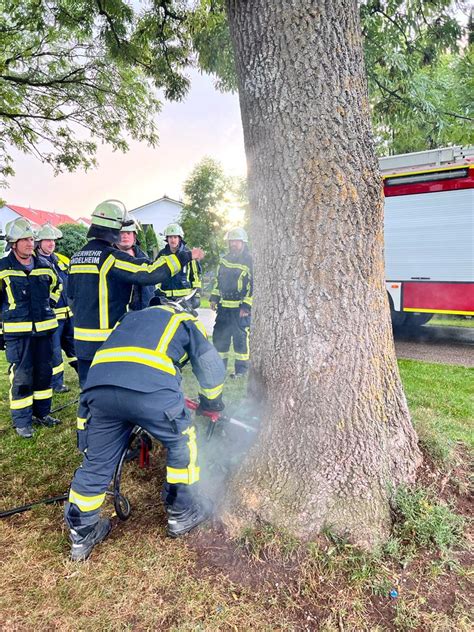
(139, 579)
(451, 321)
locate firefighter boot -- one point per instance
(47, 421)
(25, 433)
(82, 545)
(180, 522)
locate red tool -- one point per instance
(216, 416)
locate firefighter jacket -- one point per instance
(60, 264)
(141, 294)
(26, 297)
(146, 351)
(234, 281)
(101, 279)
(183, 282)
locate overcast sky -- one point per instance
(207, 123)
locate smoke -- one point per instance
(221, 454)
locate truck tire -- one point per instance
(413, 320)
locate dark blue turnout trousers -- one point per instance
(63, 339)
(114, 411)
(30, 370)
(231, 327)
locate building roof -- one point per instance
(40, 217)
(161, 199)
(84, 220)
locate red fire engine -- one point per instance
(429, 234)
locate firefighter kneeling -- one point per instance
(135, 379)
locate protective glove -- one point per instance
(209, 405)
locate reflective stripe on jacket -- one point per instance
(234, 281)
(186, 280)
(26, 296)
(101, 279)
(147, 349)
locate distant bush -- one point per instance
(74, 237)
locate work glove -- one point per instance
(209, 405)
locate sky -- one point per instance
(207, 123)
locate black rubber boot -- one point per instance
(181, 522)
(82, 546)
(47, 421)
(62, 389)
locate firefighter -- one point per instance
(28, 286)
(135, 379)
(101, 279)
(190, 275)
(63, 336)
(128, 242)
(232, 298)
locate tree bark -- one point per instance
(336, 434)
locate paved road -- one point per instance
(445, 345)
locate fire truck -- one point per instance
(429, 234)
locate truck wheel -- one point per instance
(413, 321)
(398, 319)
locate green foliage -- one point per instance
(151, 242)
(74, 237)
(420, 84)
(425, 522)
(74, 72)
(201, 218)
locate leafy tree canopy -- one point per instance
(213, 203)
(74, 73)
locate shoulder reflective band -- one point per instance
(8, 273)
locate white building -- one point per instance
(159, 213)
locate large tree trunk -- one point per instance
(336, 433)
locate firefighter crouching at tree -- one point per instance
(28, 285)
(188, 278)
(135, 379)
(232, 297)
(63, 336)
(128, 242)
(101, 278)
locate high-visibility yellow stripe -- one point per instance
(47, 393)
(8, 273)
(193, 470)
(18, 404)
(86, 503)
(91, 335)
(201, 327)
(81, 423)
(10, 297)
(212, 393)
(85, 268)
(104, 292)
(248, 300)
(11, 328)
(238, 266)
(62, 259)
(181, 292)
(173, 264)
(47, 271)
(58, 369)
(242, 356)
(224, 354)
(45, 325)
(230, 303)
(170, 330)
(437, 311)
(138, 355)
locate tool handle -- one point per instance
(192, 404)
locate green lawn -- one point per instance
(451, 321)
(141, 580)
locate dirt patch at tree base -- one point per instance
(428, 591)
